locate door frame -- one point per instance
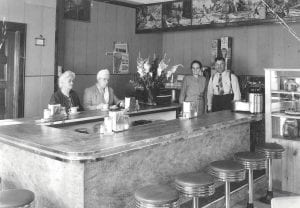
(21, 28)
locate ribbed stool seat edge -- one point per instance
(14, 198)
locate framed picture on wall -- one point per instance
(177, 14)
(149, 17)
(77, 10)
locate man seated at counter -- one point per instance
(223, 87)
(100, 96)
(65, 95)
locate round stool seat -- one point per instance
(271, 150)
(195, 184)
(251, 160)
(15, 198)
(227, 170)
(156, 196)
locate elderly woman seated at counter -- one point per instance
(65, 95)
(100, 96)
(193, 88)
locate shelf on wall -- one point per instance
(283, 115)
(278, 137)
(284, 92)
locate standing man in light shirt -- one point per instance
(100, 96)
(223, 88)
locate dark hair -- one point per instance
(219, 58)
(196, 61)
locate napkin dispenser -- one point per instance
(120, 122)
(130, 104)
(241, 106)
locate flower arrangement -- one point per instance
(152, 76)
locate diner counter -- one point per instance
(70, 146)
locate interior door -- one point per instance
(9, 75)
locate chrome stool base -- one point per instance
(250, 205)
(267, 199)
(271, 151)
(227, 171)
(195, 185)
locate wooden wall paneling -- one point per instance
(4, 10)
(239, 50)
(110, 35)
(102, 28)
(92, 42)
(15, 10)
(48, 62)
(265, 50)
(252, 46)
(32, 96)
(34, 17)
(278, 48)
(69, 45)
(80, 47)
(292, 48)
(47, 82)
(122, 27)
(179, 51)
(203, 45)
(186, 47)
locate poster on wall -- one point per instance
(120, 58)
(77, 9)
(148, 17)
(177, 14)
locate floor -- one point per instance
(258, 204)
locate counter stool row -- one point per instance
(197, 185)
(16, 198)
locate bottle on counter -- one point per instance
(290, 128)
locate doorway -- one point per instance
(12, 68)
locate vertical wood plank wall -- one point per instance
(39, 61)
(85, 45)
(254, 47)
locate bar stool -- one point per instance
(156, 196)
(271, 151)
(16, 198)
(251, 161)
(227, 171)
(195, 185)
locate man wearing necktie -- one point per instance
(223, 88)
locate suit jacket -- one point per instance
(93, 97)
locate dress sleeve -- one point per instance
(209, 93)
(183, 90)
(77, 101)
(53, 100)
(235, 87)
(116, 100)
(87, 100)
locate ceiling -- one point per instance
(133, 3)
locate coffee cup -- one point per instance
(73, 110)
(104, 107)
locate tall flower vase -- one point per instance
(150, 97)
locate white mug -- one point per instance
(73, 110)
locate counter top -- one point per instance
(70, 146)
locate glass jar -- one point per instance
(290, 128)
(290, 85)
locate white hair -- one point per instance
(101, 73)
(64, 76)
